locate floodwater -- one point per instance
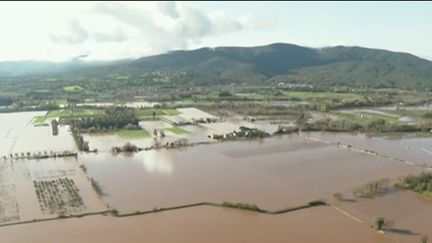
(272, 173)
(409, 212)
(411, 147)
(18, 194)
(18, 135)
(201, 224)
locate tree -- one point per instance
(338, 196)
(378, 223)
(301, 120)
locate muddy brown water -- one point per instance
(201, 224)
(409, 212)
(411, 147)
(273, 173)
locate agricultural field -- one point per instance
(177, 130)
(60, 196)
(365, 116)
(133, 134)
(77, 112)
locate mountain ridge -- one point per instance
(277, 62)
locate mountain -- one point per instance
(279, 62)
(340, 65)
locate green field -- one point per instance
(39, 120)
(367, 117)
(412, 112)
(177, 130)
(158, 112)
(78, 112)
(123, 133)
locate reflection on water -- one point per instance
(155, 162)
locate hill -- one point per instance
(279, 62)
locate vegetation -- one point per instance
(419, 183)
(128, 147)
(79, 140)
(96, 187)
(372, 188)
(75, 112)
(379, 223)
(338, 196)
(245, 206)
(133, 134)
(114, 118)
(58, 196)
(39, 120)
(424, 239)
(177, 130)
(54, 127)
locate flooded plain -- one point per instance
(409, 212)
(272, 173)
(19, 135)
(22, 199)
(411, 147)
(321, 224)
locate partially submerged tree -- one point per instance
(338, 196)
(379, 223)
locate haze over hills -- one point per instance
(340, 65)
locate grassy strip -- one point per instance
(56, 218)
(238, 206)
(78, 112)
(177, 130)
(39, 120)
(367, 117)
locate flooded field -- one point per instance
(38, 189)
(410, 213)
(273, 173)
(411, 147)
(201, 225)
(19, 135)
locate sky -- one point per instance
(59, 31)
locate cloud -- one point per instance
(170, 25)
(169, 8)
(76, 34)
(110, 30)
(117, 36)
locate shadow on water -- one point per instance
(348, 200)
(400, 231)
